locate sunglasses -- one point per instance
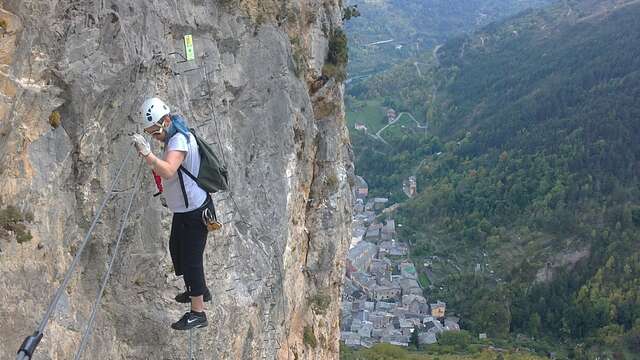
(157, 131)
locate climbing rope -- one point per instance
(105, 279)
(31, 342)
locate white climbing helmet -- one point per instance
(152, 110)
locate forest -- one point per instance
(533, 159)
(416, 26)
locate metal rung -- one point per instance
(189, 70)
(201, 99)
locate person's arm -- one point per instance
(166, 168)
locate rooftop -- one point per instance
(360, 181)
(362, 248)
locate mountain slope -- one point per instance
(417, 25)
(74, 74)
(537, 183)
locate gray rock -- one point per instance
(286, 217)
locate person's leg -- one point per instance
(192, 237)
(175, 245)
(197, 303)
(195, 238)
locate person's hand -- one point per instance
(141, 144)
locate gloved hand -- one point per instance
(141, 144)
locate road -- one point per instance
(418, 69)
(376, 137)
(378, 134)
(435, 54)
(380, 42)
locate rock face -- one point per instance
(256, 92)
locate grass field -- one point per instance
(391, 352)
(404, 125)
(369, 112)
(423, 280)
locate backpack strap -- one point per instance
(184, 191)
(189, 174)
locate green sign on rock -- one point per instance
(188, 47)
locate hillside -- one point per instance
(528, 179)
(74, 76)
(453, 351)
(416, 25)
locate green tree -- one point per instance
(414, 339)
(535, 324)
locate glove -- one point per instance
(141, 144)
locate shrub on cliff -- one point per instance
(337, 57)
(54, 119)
(12, 219)
(308, 337)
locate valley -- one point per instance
(527, 176)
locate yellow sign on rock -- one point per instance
(188, 47)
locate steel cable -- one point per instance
(105, 279)
(235, 204)
(31, 342)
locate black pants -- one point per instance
(186, 244)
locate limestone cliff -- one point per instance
(72, 75)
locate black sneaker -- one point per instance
(185, 298)
(190, 320)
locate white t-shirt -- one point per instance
(173, 191)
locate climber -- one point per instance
(184, 198)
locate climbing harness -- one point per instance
(31, 342)
(210, 220)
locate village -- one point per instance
(382, 300)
